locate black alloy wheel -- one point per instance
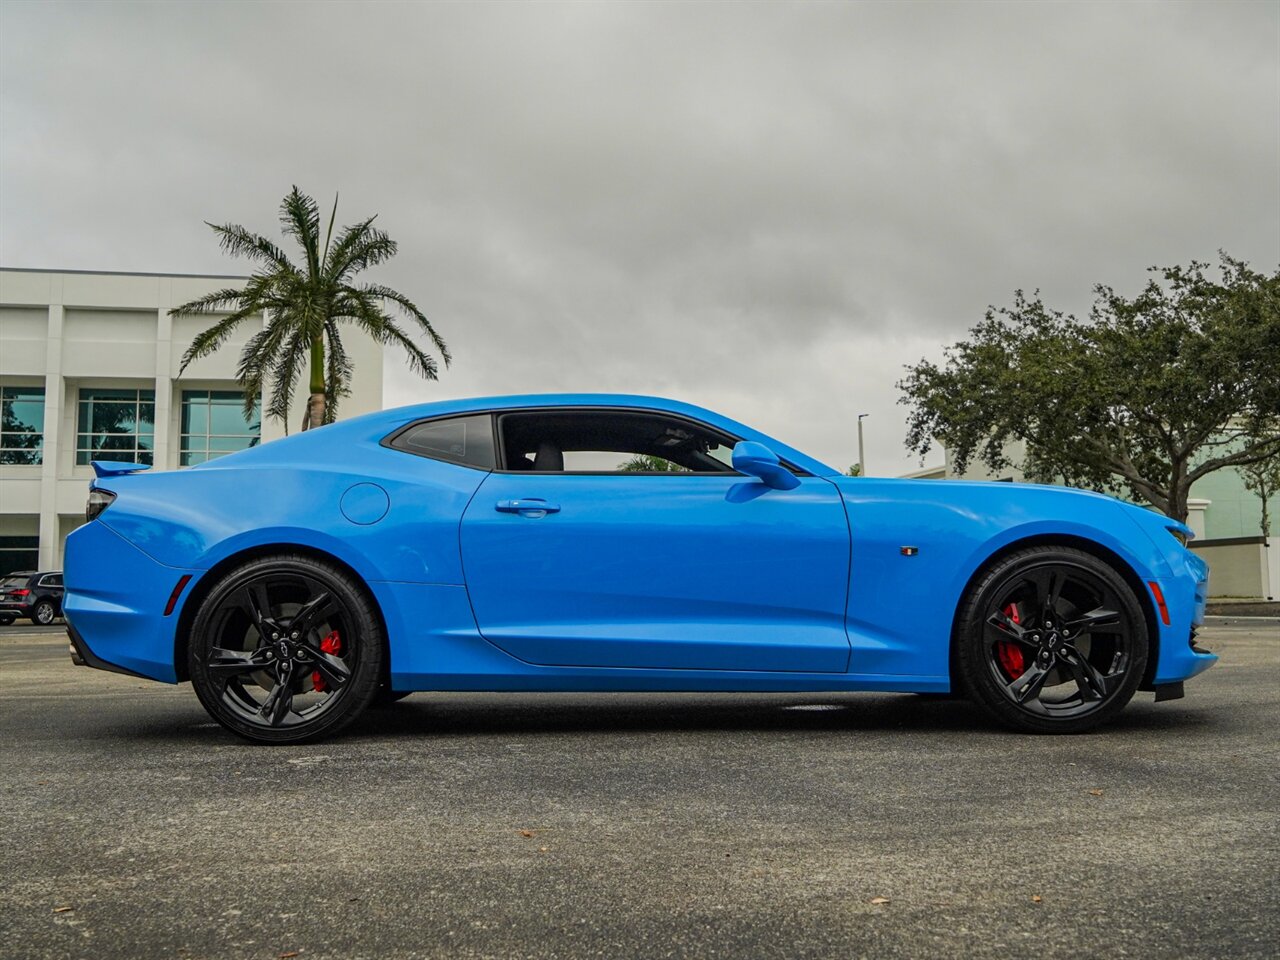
(1052, 640)
(286, 650)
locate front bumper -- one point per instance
(1186, 594)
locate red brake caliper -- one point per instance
(332, 644)
(1010, 653)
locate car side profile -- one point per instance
(35, 595)
(615, 543)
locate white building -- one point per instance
(89, 370)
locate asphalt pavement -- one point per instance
(570, 825)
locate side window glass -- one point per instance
(611, 441)
(463, 440)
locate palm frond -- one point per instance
(300, 218)
(381, 328)
(239, 242)
(359, 247)
(328, 236)
(257, 356)
(285, 369)
(207, 341)
(214, 302)
(409, 307)
(339, 370)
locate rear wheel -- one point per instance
(44, 613)
(286, 649)
(1052, 640)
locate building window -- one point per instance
(18, 553)
(22, 425)
(214, 424)
(116, 425)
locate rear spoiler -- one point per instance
(116, 468)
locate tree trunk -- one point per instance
(1179, 492)
(1265, 492)
(316, 405)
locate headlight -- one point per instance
(99, 500)
(1181, 534)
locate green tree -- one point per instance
(1147, 396)
(1263, 478)
(305, 308)
(645, 463)
(854, 471)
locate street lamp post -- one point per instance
(862, 460)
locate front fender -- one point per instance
(902, 604)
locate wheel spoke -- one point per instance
(1029, 684)
(1002, 622)
(310, 613)
(334, 669)
(256, 603)
(1048, 584)
(1093, 685)
(279, 701)
(1098, 617)
(230, 663)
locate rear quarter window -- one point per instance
(467, 441)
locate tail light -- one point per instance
(99, 500)
(20, 593)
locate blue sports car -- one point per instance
(604, 542)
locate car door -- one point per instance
(703, 571)
(52, 584)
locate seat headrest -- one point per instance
(549, 458)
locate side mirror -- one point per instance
(756, 460)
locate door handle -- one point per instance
(527, 508)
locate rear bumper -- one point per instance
(82, 656)
(114, 604)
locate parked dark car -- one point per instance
(36, 596)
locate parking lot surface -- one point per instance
(626, 825)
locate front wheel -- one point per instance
(286, 649)
(1051, 640)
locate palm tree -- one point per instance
(305, 309)
(647, 463)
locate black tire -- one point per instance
(286, 649)
(5, 621)
(44, 613)
(1051, 640)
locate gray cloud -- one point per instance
(764, 208)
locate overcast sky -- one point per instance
(764, 209)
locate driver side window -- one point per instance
(611, 441)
